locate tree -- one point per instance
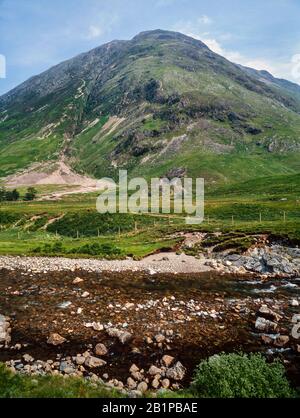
(2, 194)
(30, 194)
(12, 195)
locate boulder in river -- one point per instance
(5, 330)
(265, 325)
(269, 314)
(123, 336)
(56, 339)
(177, 372)
(101, 350)
(94, 362)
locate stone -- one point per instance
(5, 330)
(294, 303)
(80, 360)
(66, 367)
(142, 387)
(56, 339)
(28, 359)
(134, 368)
(95, 325)
(101, 350)
(135, 394)
(138, 376)
(160, 338)
(269, 314)
(129, 305)
(153, 371)
(85, 295)
(265, 325)
(131, 383)
(267, 339)
(148, 341)
(167, 360)
(94, 362)
(69, 370)
(177, 372)
(282, 341)
(155, 383)
(165, 383)
(78, 280)
(123, 336)
(65, 305)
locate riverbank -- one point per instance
(137, 330)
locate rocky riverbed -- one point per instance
(141, 330)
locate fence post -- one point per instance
(284, 216)
(260, 217)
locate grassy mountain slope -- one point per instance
(160, 104)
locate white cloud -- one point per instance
(281, 68)
(94, 32)
(288, 70)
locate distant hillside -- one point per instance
(160, 104)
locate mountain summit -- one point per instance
(162, 103)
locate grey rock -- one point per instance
(265, 325)
(94, 362)
(177, 372)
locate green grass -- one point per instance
(267, 205)
(17, 386)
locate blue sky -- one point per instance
(36, 34)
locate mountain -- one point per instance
(159, 104)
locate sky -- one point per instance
(37, 34)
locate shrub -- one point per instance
(30, 194)
(89, 223)
(96, 249)
(7, 218)
(241, 376)
(56, 248)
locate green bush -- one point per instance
(56, 248)
(240, 376)
(90, 223)
(8, 218)
(96, 249)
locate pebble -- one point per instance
(94, 362)
(142, 387)
(101, 350)
(167, 360)
(177, 372)
(56, 339)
